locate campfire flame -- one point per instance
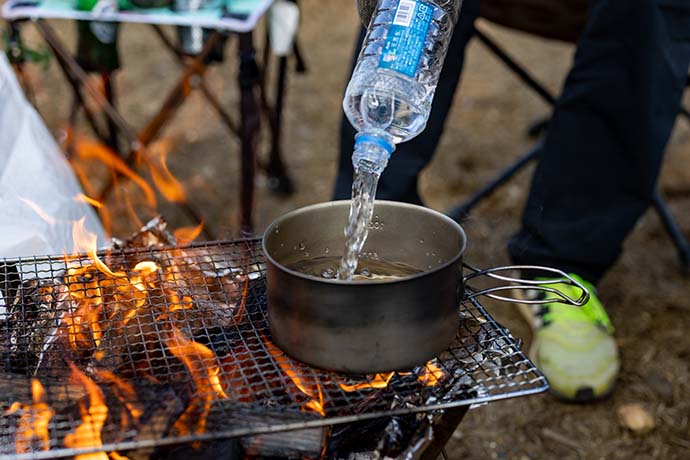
(93, 415)
(202, 365)
(86, 242)
(306, 385)
(185, 235)
(378, 381)
(89, 150)
(125, 392)
(88, 200)
(33, 420)
(431, 374)
(39, 211)
(156, 158)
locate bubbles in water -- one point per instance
(421, 241)
(328, 273)
(375, 270)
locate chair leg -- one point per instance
(673, 231)
(460, 212)
(516, 68)
(249, 79)
(538, 127)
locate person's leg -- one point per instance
(604, 147)
(399, 181)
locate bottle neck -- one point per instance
(372, 152)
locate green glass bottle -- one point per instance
(97, 40)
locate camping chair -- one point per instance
(559, 20)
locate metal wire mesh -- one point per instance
(163, 346)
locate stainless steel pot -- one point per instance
(368, 326)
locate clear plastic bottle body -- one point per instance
(389, 97)
(391, 104)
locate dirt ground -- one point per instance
(646, 295)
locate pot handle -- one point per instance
(525, 284)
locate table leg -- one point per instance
(225, 118)
(107, 79)
(135, 141)
(15, 54)
(279, 180)
(78, 79)
(250, 121)
(444, 427)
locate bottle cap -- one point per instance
(380, 141)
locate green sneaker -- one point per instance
(574, 347)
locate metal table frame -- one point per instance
(253, 105)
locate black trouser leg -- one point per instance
(399, 181)
(603, 151)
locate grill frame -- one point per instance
(489, 339)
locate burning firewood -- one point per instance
(114, 316)
(32, 315)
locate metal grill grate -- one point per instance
(179, 351)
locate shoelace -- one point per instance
(592, 312)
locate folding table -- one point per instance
(219, 18)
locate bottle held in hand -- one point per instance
(391, 89)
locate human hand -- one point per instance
(366, 9)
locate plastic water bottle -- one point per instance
(389, 95)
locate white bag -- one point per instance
(34, 169)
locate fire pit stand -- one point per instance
(144, 348)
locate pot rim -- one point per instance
(276, 223)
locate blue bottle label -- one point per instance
(406, 35)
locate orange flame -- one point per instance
(87, 149)
(80, 197)
(379, 381)
(431, 375)
(83, 325)
(125, 392)
(33, 421)
(38, 210)
(203, 367)
(86, 242)
(84, 180)
(93, 415)
(186, 235)
(156, 156)
(311, 389)
(116, 456)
